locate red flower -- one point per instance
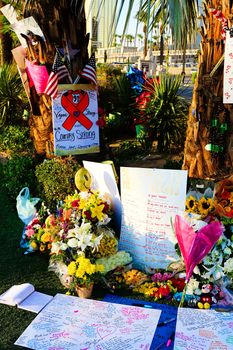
(88, 215)
(75, 203)
(164, 290)
(178, 283)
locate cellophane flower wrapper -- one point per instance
(195, 246)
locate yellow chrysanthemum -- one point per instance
(99, 268)
(205, 205)
(45, 237)
(191, 204)
(97, 212)
(71, 268)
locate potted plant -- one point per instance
(84, 274)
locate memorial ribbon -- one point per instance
(75, 103)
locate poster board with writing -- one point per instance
(203, 329)
(228, 70)
(150, 198)
(72, 323)
(75, 116)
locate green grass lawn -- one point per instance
(16, 268)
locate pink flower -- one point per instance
(29, 232)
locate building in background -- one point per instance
(100, 17)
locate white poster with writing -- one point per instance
(72, 323)
(150, 199)
(228, 70)
(75, 116)
(203, 329)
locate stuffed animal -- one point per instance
(206, 297)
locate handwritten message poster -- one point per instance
(71, 323)
(228, 70)
(75, 116)
(203, 329)
(150, 198)
(103, 180)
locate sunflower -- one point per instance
(191, 204)
(205, 205)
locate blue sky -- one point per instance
(132, 23)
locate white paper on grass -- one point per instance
(203, 329)
(72, 323)
(150, 200)
(103, 180)
(25, 297)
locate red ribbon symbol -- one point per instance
(75, 109)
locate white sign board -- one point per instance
(150, 198)
(228, 70)
(75, 116)
(103, 180)
(203, 329)
(72, 323)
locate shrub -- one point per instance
(56, 179)
(19, 172)
(12, 95)
(14, 138)
(167, 111)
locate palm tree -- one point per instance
(207, 107)
(63, 24)
(140, 37)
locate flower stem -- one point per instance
(183, 294)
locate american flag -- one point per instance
(89, 71)
(59, 72)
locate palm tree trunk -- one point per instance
(63, 24)
(207, 113)
(145, 41)
(5, 43)
(161, 49)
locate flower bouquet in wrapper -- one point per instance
(195, 244)
(84, 247)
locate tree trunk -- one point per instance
(161, 49)
(63, 24)
(5, 43)
(207, 112)
(145, 41)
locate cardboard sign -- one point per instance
(150, 199)
(228, 70)
(75, 116)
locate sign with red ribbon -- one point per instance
(75, 116)
(75, 103)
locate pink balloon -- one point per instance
(195, 246)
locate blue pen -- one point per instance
(166, 321)
(142, 305)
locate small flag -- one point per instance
(89, 71)
(59, 72)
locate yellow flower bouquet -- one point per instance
(83, 273)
